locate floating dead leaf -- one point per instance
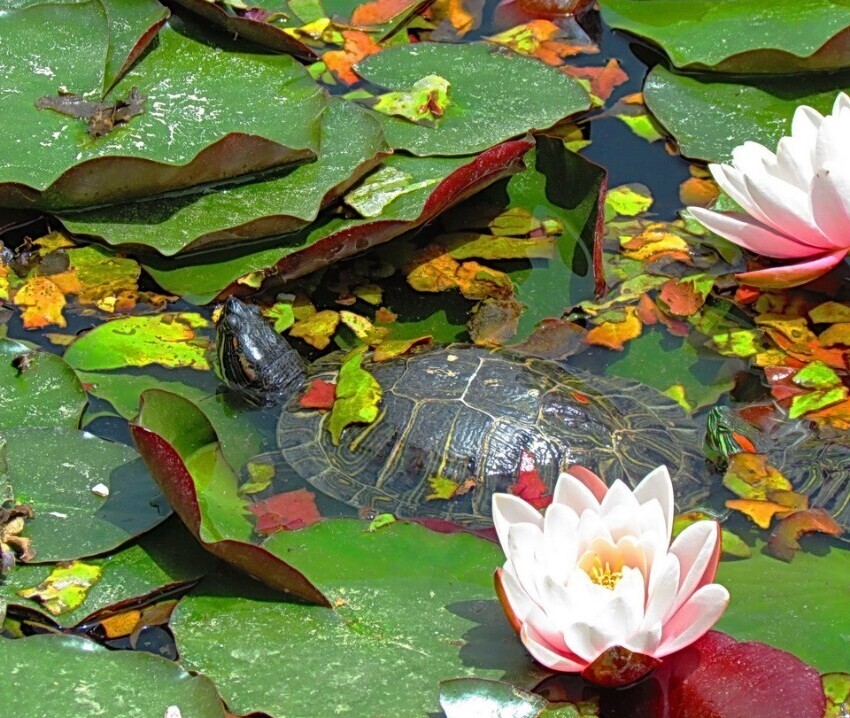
(816, 375)
(356, 46)
(454, 18)
(288, 511)
(369, 293)
(632, 113)
(816, 400)
(13, 546)
(698, 192)
(316, 329)
(603, 80)
(653, 241)
(785, 540)
(357, 323)
(615, 333)
(281, 314)
(432, 270)
(685, 298)
(392, 348)
(836, 686)
(542, 39)
(553, 339)
(101, 117)
(760, 512)
(357, 396)
(101, 278)
(529, 486)
(42, 302)
(837, 334)
(65, 589)
(751, 476)
(465, 245)
(476, 281)
(379, 12)
(836, 416)
(494, 321)
(830, 313)
(385, 316)
(425, 101)
(320, 394)
(628, 200)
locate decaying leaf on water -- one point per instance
(66, 587)
(13, 546)
(425, 101)
(357, 396)
(101, 117)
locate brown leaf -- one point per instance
(288, 511)
(341, 62)
(42, 301)
(614, 335)
(784, 542)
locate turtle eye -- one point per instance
(232, 321)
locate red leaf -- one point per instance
(288, 511)
(529, 486)
(319, 395)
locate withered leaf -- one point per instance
(101, 117)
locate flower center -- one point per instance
(602, 575)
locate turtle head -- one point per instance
(253, 359)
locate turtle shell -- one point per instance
(464, 412)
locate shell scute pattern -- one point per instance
(464, 412)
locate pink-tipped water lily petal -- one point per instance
(831, 202)
(658, 485)
(794, 162)
(596, 485)
(508, 510)
(693, 619)
(747, 233)
(695, 548)
(547, 630)
(833, 145)
(536, 646)
(731, 181)
(792, 275)
(518, 599)
(788, 210)
(572, 492)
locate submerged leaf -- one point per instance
(65, 588)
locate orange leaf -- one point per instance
(681, 298)
(341, 62)
(614, 335)
(455, 12)
(837, 415)
(785, 541)
(698, 192)
(761, 512)
(750, 476)
(286, 512)
(319, 395)
(603, 80)
(646, 310)
(43, 302)
(379, 11)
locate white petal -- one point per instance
(833, 145)
(696, 617)
(645, 640)
(588, 641)
(794, 162)
(556, 602)
(805, 125)
(623, 521)
(631, 590)
(662, 591)
(694, 548)
(731, 181)
(658, 485)
(831, 203)
(520, 602)
(523, 541)
(749, 234)
(591, 526)
(752, 159)
(508, 510)
(573, 493)
(618, 495)
(842, 102)
(536, 646)
(560, 541)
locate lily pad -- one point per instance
(744, 36)
(67, 677)
(132, 24)
(41, 390)
(206, 127)
(444, 181)
(411, 607)
(709, 117)
(162, 559)
(493, 95)
(786, 604)
(352, 143)
(167, 339)
(54, 471)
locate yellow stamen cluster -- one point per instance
(602, 575)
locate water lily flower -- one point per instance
(595, 586)
(797, 201)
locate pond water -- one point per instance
(741, 392)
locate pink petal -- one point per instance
(658, 485)
(731, 181)
(693, 619)
(536, 645)
(831, 203)
(749, 234)
(508, 510)
(596, 485)
(792, 275)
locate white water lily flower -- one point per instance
(597, 574)
(797, 201)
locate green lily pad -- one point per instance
(352, 143)
(411, 607)
(68, 677)
(240, 438)
(167, 339)
(788, 604)
(208, 126)
(493, 95)
(132, 24)
(479, 698)
(710, 117)
(442, 181)
(55, 470)
(162, 558)
(41, 391)
(745, 36)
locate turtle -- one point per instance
(462, 413)
(815, 460)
